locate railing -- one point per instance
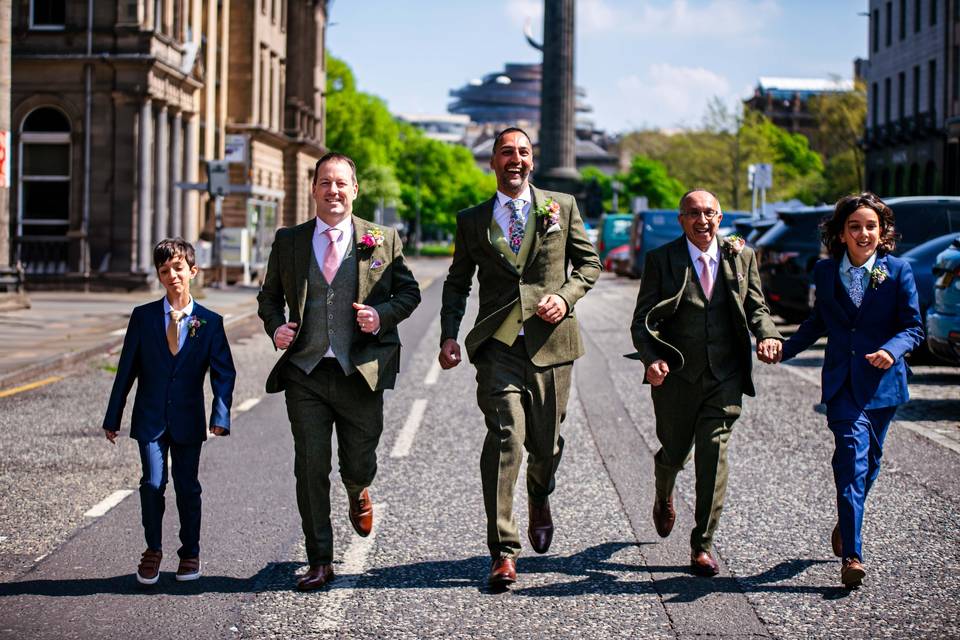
(43, 255)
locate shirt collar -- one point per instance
(187, 310)
(345, 226)
(713, 250)
(503, 199)
(845, 264)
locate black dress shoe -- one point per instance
(664, 515)
(703, 564)
(540, 531)
(315, 577)
(503, 571)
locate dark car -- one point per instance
(787, 252)
(922, 258)
(943, 317)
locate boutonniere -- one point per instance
(739, 277)
(372, 238)
(877, 275)
(548, 212)
(194, 323)
(734, 244)
(376, 264)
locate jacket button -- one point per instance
(853, 352)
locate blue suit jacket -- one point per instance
(888, 318)
(170, 388)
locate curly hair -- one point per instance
(832, 227)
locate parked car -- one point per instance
(922, 258)
(787, 252)
(657, 227)
(590, 226)
(618, 260)
(614, 231)
(943, 317)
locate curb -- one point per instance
(55, 363)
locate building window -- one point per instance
(48, 14)
(43, 207)
(901, 94)
(875, 24)
(932, 89)
(889, 29)
(875, 98)
(886, 100)
(917, 20)
(903, 19)
(916, 90)
(933, 12)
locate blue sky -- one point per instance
(644, 63)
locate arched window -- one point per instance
(43, 218)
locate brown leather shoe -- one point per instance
(361, 513)
(148, 571)
(703, 564)
(664, 515)
(315, 577)
(852, 573)
(189, 569)
(540, 531)
(503, 571)
(836, 541)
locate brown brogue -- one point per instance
(315, 577)
(852, 573)
(836, 541)
(503, 571)
(664, 515)
(703, 564)
(540, 531)
(361, 513)
(148, 571)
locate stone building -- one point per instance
(115, 103)
(913, 97)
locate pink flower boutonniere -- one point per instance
(194, 323)
(734, 244)
(549, 212)
(372, 238)
(877, 275)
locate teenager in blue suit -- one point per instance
(867, 307)
(168, 348)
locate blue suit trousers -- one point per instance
(858, 446)
(185, 463)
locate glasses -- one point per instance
(709, 214)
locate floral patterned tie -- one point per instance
(856, 285)
(517, 223)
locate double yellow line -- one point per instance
(31, 385)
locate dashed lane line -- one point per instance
(30, 385)
(401, 448)
(107, 503)
(434, 374)
(247, 404)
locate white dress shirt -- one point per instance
(502, 210)
(187, 312)
(712, 252)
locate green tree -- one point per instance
(648, 177)
(842, 118)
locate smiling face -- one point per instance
(512, 163)
(334, 191)
(861, 235)
(700, 218)
(175, 275)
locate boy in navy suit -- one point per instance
(168, 348)
(867, 307)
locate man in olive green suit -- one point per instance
(346, 286)
(525, 339)
(699, 301)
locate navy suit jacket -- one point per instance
(888, 319)
(170, 388)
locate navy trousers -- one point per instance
(185, 463)
(858, 446)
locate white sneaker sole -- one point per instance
(187, 577)
(148, 581)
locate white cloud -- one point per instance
(718, 18)
(596, 16)
(519, 11)
(669, 95)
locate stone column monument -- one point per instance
(557, 164)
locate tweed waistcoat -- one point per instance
(328, 316)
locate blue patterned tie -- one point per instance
(856, 285)
(517, 223)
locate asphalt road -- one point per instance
(422, 573)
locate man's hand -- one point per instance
(367, 318)
(111, 435)
(657, 372)
(218, 431)
(880, 359)
(552, 308)
(284, 335)
(449, 354)
(770, 350)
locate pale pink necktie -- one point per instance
(331, 261)
(706, 276)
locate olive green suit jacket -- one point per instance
(385, 283)
(502, 284)
(665, 275)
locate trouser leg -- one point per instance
(153, 482)
(547, 392)
(185, 467)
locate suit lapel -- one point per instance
(484, 218)
(870, 292)
(536, 197)
(188, 343)
(733, 275)
(302, 255)
(159, 323)
(680, 263)
(360, 227)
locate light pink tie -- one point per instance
(331, 261)
(706, 276)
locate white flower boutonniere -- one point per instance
(734, 244)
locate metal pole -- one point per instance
(218, 239)
(763, 202)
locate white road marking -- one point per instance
(247, 404)
(119, 332)
(433, 374)
(3, 538)
(333, 609)
(107, 503)
(401, 448)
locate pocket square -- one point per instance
(554, 227)
(376, 264)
